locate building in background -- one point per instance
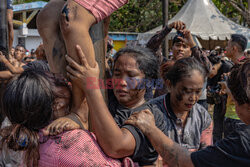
(25, 30)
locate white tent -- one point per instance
(204, 21)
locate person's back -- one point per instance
(232, 151)
(73, 148)
(31, 101)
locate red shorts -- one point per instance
(101, 8)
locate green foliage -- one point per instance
(144, 15)
(26, 1)
(229, 11)
(137, 16)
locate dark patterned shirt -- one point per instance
(197, 132)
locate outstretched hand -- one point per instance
(81, 73)
(143, 120)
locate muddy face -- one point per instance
(126, 70)
(187, 91)
(61, 102)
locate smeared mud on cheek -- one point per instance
(179, 94)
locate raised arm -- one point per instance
(196, 51)
(12, 69)
(115, 142)
(155, 41)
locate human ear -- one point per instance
(168, 84)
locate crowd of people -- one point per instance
(155, 113)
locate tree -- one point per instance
(236, 10)
(144, 15)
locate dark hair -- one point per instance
(145, 59)
(238, 83)
(27, 102)
(40, 52)
(214, 57)
(182, 68)
(41, 65)
(240, 40)
(20, 45)
(176, 40)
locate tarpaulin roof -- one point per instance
(205, 21)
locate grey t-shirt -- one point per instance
(198, 121)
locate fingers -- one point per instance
(82, 57)
(182, 39)
(131, 122)
(72, 72)
(72, 63)
(56, 127)
(71, 126)
(178, 25)
(45, 132)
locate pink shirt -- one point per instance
(101, 8)
(75, 148)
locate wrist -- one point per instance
(92, 91)
(169, 28)
(150, 130)
(192, 44)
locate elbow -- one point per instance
(116, 153)
(117, 150)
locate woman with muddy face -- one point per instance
(189, 124)
(31, 101)
(131, 73)
(233, 150)
(133, 67)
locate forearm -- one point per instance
(155, 41)
(14, 70)
(172, 153)
(199, 55)
(6, 75)
(114, 141)
(207, 137)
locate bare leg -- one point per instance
(106, 30)
(75, 23)
(49, 29)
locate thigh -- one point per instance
(101, 8)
